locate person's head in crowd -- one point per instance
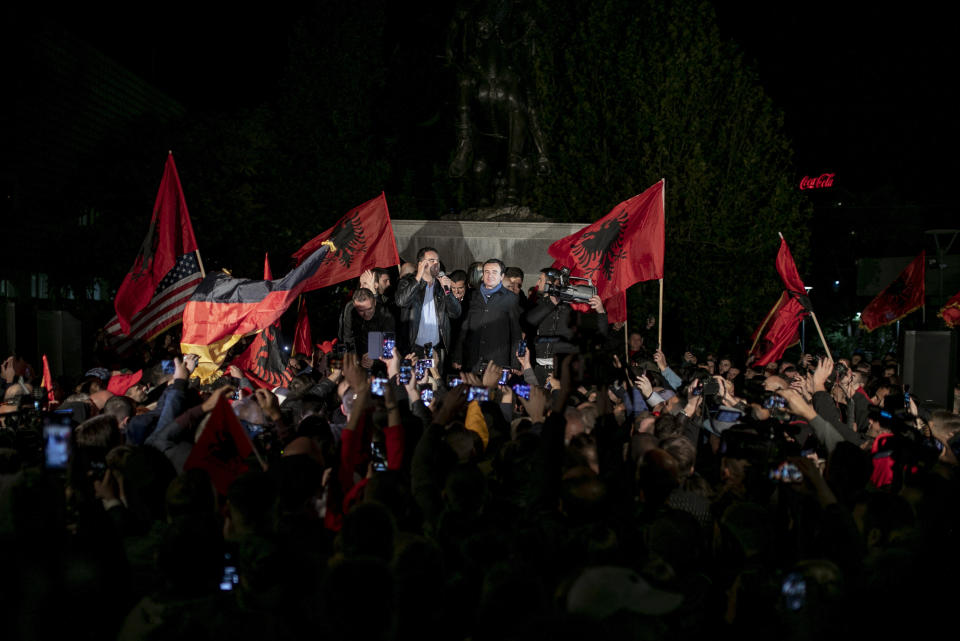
(492, 273)
(474, 275)
(100, 432)
(945, 426)
(365, 303)
(775, 382)
(635, 341)
(381, 279)
(407, 268)
(458, 283)
(12, 398)
(94, 381)
(724, 365)
(137, 392)
(877, 390)
(513, 279)
(122, 408)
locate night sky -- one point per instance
(865, 95)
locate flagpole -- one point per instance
(660, 320)
(203, 273)
(820, 332)
(626, 335)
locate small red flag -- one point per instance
(951, 311)
(363, 238)
(222, 447)
(622, 248)
(267, 272)
(48, 379)
(161, 258)
(302, 336)
(901, 297)
(779, 329)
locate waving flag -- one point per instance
(901, 297)
(222, 448)
(166, 270)
(951, 311)
(779, 329)
(364, 239)
(622, 248)
(224, 309)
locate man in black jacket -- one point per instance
(491, 330)
(426, 305)
(361, 316)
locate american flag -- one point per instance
(165, 308)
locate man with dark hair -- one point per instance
(513, 279)
(427, 304)
(491, 329)
(458, 284)
(361, 316)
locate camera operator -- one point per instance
(553, 319)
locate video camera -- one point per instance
(566, 292)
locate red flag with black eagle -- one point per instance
(166, 269)
(222, 448)
(624, 247)
(950, 313)
(901, 297)
(779, 329)
(224, 309)
(364, 239)
(264, 362)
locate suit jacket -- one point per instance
(490, 331)
(410, 293)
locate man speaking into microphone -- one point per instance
(427, 305)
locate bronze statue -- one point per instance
(499, 143)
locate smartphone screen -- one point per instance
(56, 443)
(376, 386)
(230, 577)
(522, 390)
(478, 394)
(453, 381)
(405, 373)
(389, 342)
(426, 396)
(504, 376)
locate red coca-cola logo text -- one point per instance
(821, 182)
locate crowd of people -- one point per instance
(471, 461)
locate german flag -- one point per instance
(224, 309)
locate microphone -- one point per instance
(441, 274)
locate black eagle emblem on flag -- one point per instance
(270, 367)
(348, 238)
(600, 249)
(147, 251)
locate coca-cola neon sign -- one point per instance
(821, 182)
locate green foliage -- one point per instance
(632, 92)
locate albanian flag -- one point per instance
(622, 248)
(222, 448)
(779, 329)
(364, 239)
(951, 311)
(151, 297)
(224, 309)
(901, 297)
